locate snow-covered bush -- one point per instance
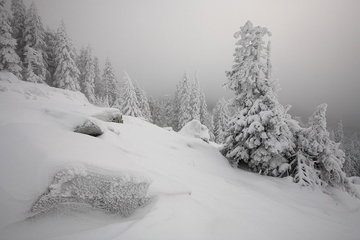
(118, 193)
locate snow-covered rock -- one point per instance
(195, 129)
(89, 128)
(83, 186)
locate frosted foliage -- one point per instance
(88, 74)
(352, 148)
(221, 118)
(18, 10)
(77, 187)
(66, 75)
(195, 99)
(340, 136)
(258, 132)
(33, 58)
(184, 101)
(305, 173)
(204, 115)
(248, 72)
(156, 111)
(175, 120)
(9, 59)
(327, 158)
(109, 87)
(34, 37)
(168, 112)
(143, 102)
(97, 79)
(130, 104)
(50, 40)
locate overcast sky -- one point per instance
(315, 45)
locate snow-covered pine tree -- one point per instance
(50, 40)
(97, 79)
(156, 111)
(18, 25)
(204, 115)
(168, 111)
(176, 106)
(80, 63)
(66, 75)
(110, 88)
(258, 134)
(351, 165)
(339, 135)
(143, 102)
(130, 104)
(33, 58)
(34, 38)
(332, 135)
(327, 157)
(9, 60)
(184, 104)
(195, 99)
(88, 75)
(221, 118)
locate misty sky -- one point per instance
(315, 45)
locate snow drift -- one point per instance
(177, 186)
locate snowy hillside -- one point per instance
(190, 190)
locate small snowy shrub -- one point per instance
(112, 193)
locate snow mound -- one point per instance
(195, 129)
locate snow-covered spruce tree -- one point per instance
(33, 58)
(168, 111)
(352, 164)
(18, 25)
(327, 157)
(109, 84)
(339, 135)
(258, 134)
(9, 60)
(176, 105)
(221, 118)
(143, 102)
(130, 104)
(66, 75)
(204, 115)
(50, 40)
(34, 38)
(156, 111)
(97, 79)
(332, 135)
(195, 99)
(88, 76)
(184, 104)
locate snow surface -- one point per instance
(197, 194)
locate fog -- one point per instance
(315, 45)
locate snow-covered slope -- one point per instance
(195, 194)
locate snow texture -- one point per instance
(117, 193)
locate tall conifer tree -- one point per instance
(9, 60)
(66, 75)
